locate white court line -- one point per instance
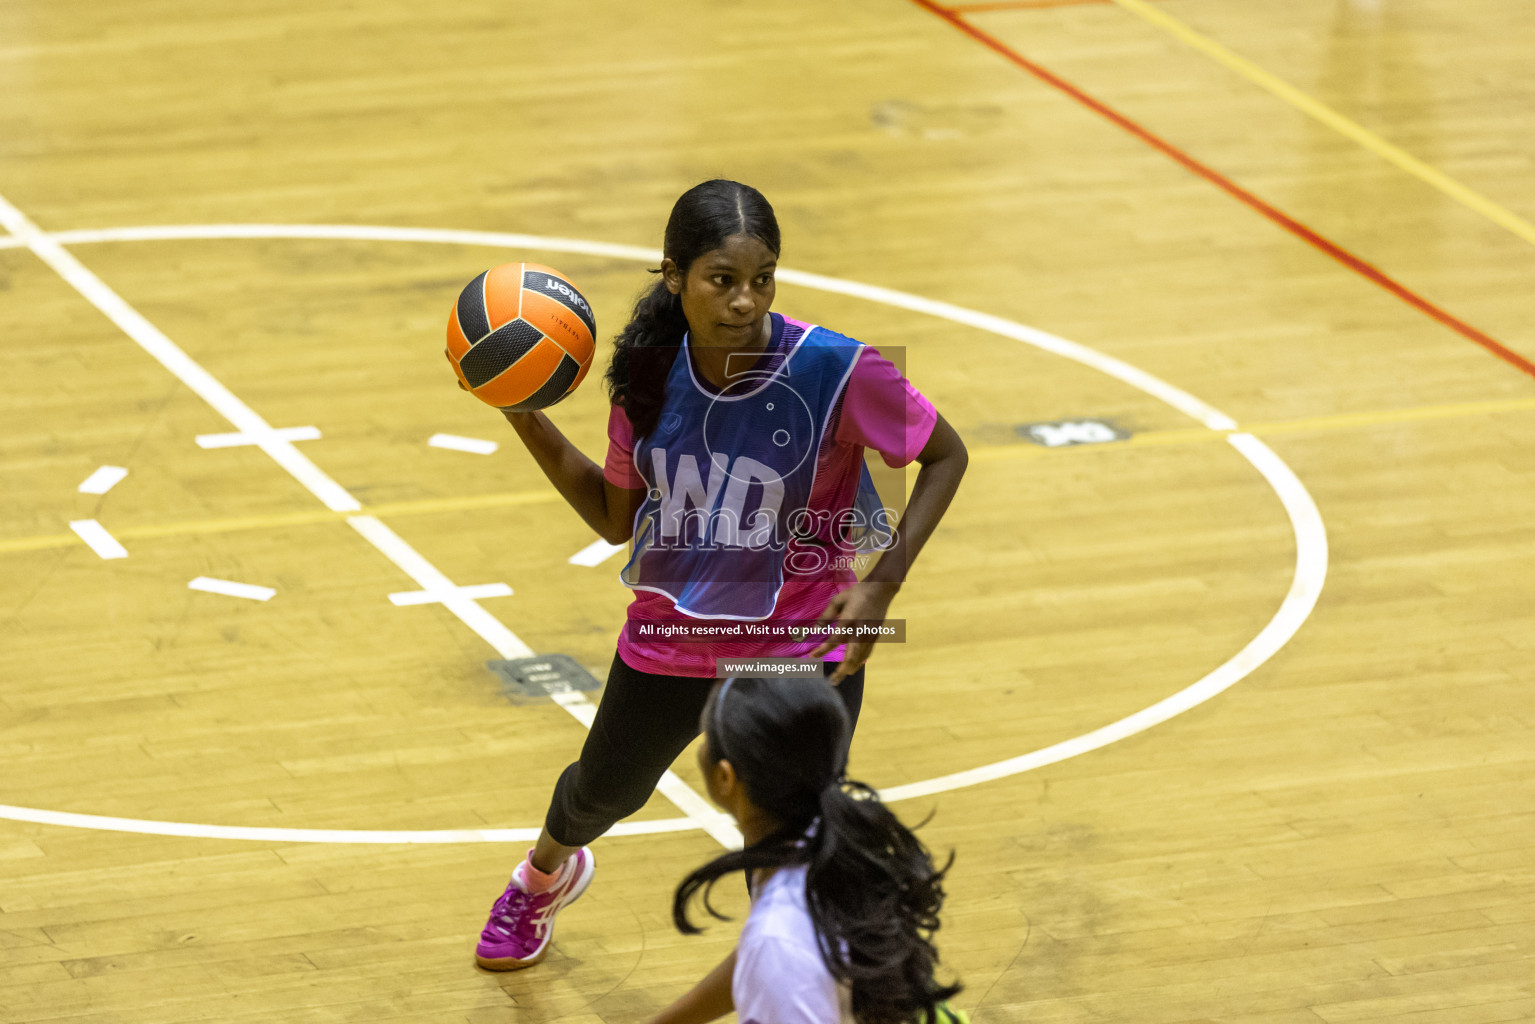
(344, 233)
(103, 480)
(236, 440)
(476, 592)
(98, 539)
(1310, 537)
(473, 445)
(595, 553)
(430, 578)
(335, 497)
(229, 588)
(1305, 588)
(1116, 368)
(152, 340)
(69, 819)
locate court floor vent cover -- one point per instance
(541, 676)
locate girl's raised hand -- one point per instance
(513, 418)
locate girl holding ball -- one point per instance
(735, 464)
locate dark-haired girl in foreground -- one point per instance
(844, 898)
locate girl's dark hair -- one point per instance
(645, 349)
(872, 889)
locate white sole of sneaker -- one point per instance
(511, 963)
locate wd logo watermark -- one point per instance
(1063, 433)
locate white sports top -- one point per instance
(780, 977)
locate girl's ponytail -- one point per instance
(643, 354)
(874, 896)
(870, 885)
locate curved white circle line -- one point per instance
(1305, 520)
(1305, 588)
(103, 823)
(346, 233)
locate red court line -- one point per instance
(1021, 5)
(1224, 183)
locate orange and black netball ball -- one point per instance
(521, 337)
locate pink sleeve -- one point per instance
(619, 469)
(881, 410)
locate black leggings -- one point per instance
(643, 723)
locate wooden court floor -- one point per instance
(1293, 240)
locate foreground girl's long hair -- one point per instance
(871, 887)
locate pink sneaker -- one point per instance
(522, 923)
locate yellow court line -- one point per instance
(275, 520)
(195, 527)
(998, 453)
(1343, 421)
(1311, 424)
(425, 506)
(1301, 101)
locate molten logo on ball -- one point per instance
(513, 341)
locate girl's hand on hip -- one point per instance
(862, 604)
